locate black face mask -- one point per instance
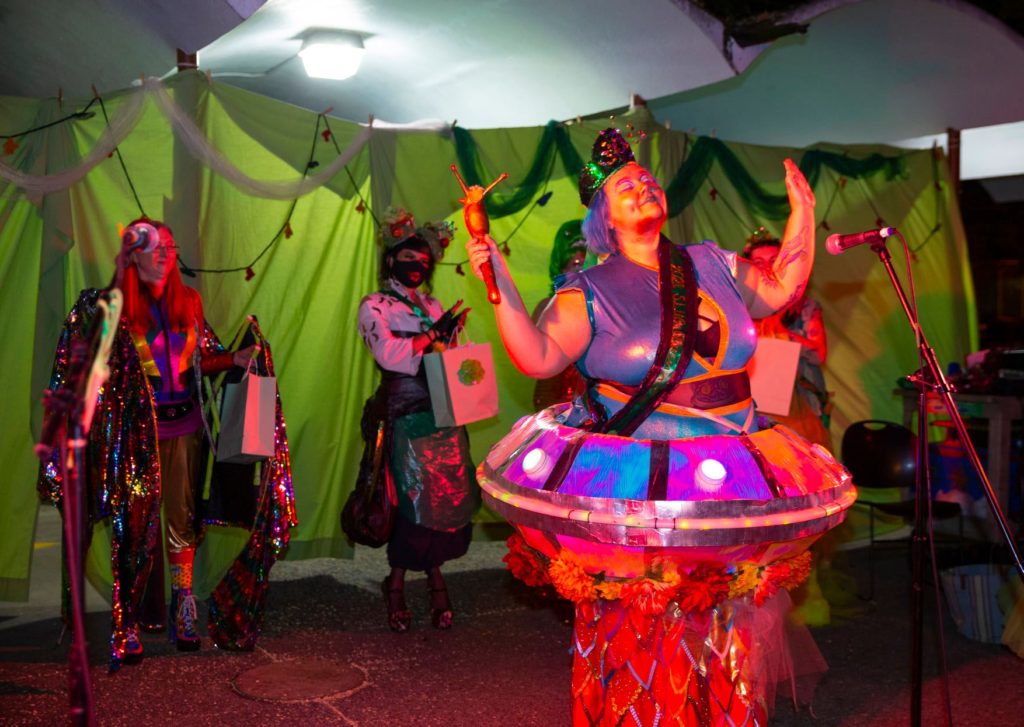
(405, 272)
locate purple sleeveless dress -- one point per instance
(625, 320)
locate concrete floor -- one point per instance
(506, 661)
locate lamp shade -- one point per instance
(334, 56)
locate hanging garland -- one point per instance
(693, 590)
(191, 137)
(693, 173)
(554, 142)
(681, 190)
(691, 176)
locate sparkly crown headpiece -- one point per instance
(610, 153)
(398, 226)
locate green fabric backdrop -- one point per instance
(308, 286)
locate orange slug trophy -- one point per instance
(478, 225)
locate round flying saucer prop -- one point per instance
(749, 498)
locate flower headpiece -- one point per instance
(761, 237)
(398, 225)
(610, 153)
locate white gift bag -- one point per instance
(773, 370)
(463, 388)
(247, 420)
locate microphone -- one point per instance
(835, 244)
(59, 404)
(141, 235)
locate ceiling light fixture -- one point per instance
(332, 54)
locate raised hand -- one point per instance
(481, 250)
(800, 193)
(449, 322)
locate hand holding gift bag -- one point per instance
(463, 387)
(247, 418)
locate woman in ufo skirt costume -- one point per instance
(653, 501)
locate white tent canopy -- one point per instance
(320, 258)
(878, 71)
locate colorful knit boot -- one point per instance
(184, 612)
(132, 645)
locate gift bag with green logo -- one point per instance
(462, 384)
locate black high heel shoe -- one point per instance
(399, 615)
(440, 617)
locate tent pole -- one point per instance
(187, 61)
(953, 145)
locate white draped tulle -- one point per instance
(192, 137)
(37, 185)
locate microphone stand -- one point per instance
(69, 412)
(63, 430)
(930, 377)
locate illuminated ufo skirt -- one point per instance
(728, 498)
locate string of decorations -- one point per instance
(117, 150)
(362, 207)
(11, 143)
(503, 246)
(285, 230)
(695, 169)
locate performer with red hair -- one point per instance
(145, 446)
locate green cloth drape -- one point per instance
(307, 288)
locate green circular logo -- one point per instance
(471, 372)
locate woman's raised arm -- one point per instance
(767, 290)
(539, 349)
